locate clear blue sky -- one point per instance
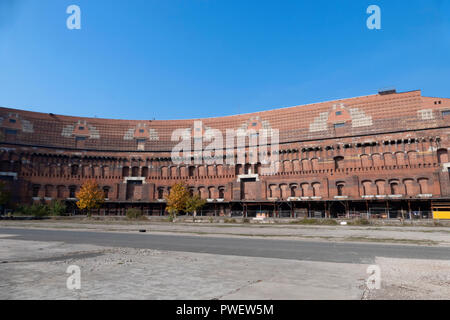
(171, 59)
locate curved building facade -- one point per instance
(384, 154)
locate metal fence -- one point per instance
(373, 213)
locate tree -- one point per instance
(194, 203)
(57, 208)
(90, 196)
(180, 200)
(134, 213)
(177, 199)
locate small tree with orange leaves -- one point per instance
(90, 196)
(177, 199)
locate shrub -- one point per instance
(246, 220)
(315, 221)
(35, 210)
(22, 210)
(134, 214)
(57, 208)
(359, 222)
(40, 210)
(328, 222)
(304, 221)
(229, 221)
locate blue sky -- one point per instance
(179, 59)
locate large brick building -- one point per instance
(386, 154)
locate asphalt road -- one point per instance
(282, 249)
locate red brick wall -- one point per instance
(394, 138)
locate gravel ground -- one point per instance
(37, 270)
(413, 279)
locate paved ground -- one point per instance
(37, 271)
(131, 265)
(439, 236)
(268, 248)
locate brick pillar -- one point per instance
(122, 191)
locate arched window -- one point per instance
(135, 172)
(395, 188)
(219, 170)
(380, 187)
(160, 193)
(106, 192)
(36, 188)
(202, 192)
(87, 171)
(293, 190)
(423, 185)
(97, 171)
(60, 192)
(306, 166)
(272, 191)
(48, 191)
(283, 189)
(184, 171)
(304, 187)
(410, 187)
(315, 164)
(72, 191)
(296, 165)
(105, 171)
(211, 192)
(221, 192)
(366, 187)
(316, 189)
(366, 162)
(412, 157)
(340, 188)
(53, 169)
(377, 160)
(125, 171)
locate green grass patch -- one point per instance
(315, 221)
(359, 222)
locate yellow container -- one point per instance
(441, 215)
